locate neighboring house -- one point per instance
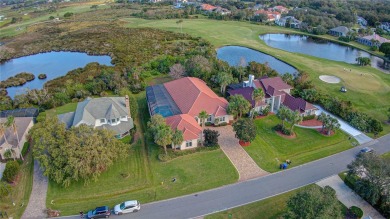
(10, 140)
(155, 1)
(372, 40)
(276, 94)
(112, 113)
(385, 26)
(281, 9)
(339, 31)
(290, 20)
(23, 112)
(180, 102)
(257, 7)
(222, 11)
(361, 21)
(271, 15)
(208, 7)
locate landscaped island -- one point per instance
(17, 80)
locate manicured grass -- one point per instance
(269, 149)
(368, 88)
(386, 155)
(273, 207)
(21, 191)
(143, 177)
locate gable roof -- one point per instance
(376, 37)
(208, 7)
(192, 95)
(23, 112)
(22, 124)
(88, 111)
(297, 103)
(341, 29)
(246, 92)
(185, 123)
(274, 86)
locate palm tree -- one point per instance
(203, 115)
(11, 123)
(324, 119)
(177, 138)
(295, 118)
(224, 79)
(257, 96)
(332, 124)
(283, 114)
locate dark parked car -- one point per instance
(99, 212)
(366, 150)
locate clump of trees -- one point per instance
(314, 202)
(329, 123)
(238, 106)
(286, 114)
(385, 48)
(210, 137)
(245, 129)
(369, 176)
(17, 80)
(80, 153)
(363, 61)
(11, 171)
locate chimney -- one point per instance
(127, 105)
(251, 78)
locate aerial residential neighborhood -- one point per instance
(194, 109)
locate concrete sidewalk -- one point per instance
(358, 135)
(348, 197)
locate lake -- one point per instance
(233, 54)
(319, 48)
(53, 64)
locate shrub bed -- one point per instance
(356, 211)
(25, 148)
(17, 80)
(309, 117)
(179, 153)
(11, 171)
(282, 129)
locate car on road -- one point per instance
(127, 207)
(99, 212)
(366, 150)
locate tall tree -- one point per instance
(385, 48)
(163, 136)
(257, 96)
(224, 79)
(238, 106)
(314, 202)
(324, 119)
(203, 115)
(295, 118)
(283, 114)
(332, 124)
(155, 122)
(177, 138)
(245, 129)
(177, 71)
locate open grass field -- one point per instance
(368, 88)
(21, 191)
(269, 149)
(273, 207)
(142, 176)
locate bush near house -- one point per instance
(26, 146)
(210, 138)
(309, 117)
(356, 211)
(11, 171)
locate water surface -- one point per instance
(53, 64)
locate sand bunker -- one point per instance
(330, 79)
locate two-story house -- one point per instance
(112, 113)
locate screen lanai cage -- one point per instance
(160, 102)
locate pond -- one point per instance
(319, 48)
(53, 64)
(233, 54)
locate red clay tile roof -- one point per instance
(187, 124)
(192, 95)
(274, 86)
(208, 7)
(297, 103)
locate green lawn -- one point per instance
(273, 207)
(368, 88)
(21, 191)
(269, 149)
(141, 176)
(386, 155)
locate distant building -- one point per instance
(112, 113)
(222, 11)
(281, 9)
(208, 7)
(271, 15)
(385, 26)
(361, 21)
(2, 17)
(339, 31)
(372, 40)
(292, 21)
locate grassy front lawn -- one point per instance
(269, 149)
(273, 207)
(368, 88)
(21, 192)
(386, 155)
(143, 177)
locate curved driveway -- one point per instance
(223, 198)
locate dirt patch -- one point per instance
(311, 122)
(330, 79)
(325, 132)
(293, 135)
(244, 143)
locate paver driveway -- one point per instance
(245, 165)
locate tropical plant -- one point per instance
(332, 124)
(245, 129)
(11, 171)
(257, 96)
(295, 118)
(177, 138)
(163, 136)
(203, 115)
(238, 106)
(363, 61)
(324, 119)
(223, 80)
(210, 137)
(283, 114)
(385, 48)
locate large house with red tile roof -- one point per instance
(276, 94)
(180, 102)
(208, 7)
(271, 15)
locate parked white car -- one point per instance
(127, 207)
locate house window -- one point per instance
(209, 119)
(112, 120)
(102, 120)
(189, 144)
(222, 119)
(117, 119)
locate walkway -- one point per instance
(37, 203)
(348, 197)
(245, 165)
(358, 135)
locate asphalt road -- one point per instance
(242, 193)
